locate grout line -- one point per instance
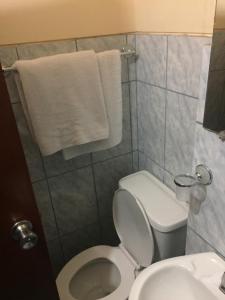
(111, 158)
(166, 89)
(131, 119)
(137, 103)
(67, 172)
(156, 163)
(134, 82)
(85, 166)
(38, 180)
(17, 102)
(53, 210)
(164, 150)
(78, 228)
(138, 152)
(17, 53)
(131, 123)
(199, 123)
(136, 114)
(97, 202)
(128, 61)
(76, 46)
(137, 110)
(191, 34)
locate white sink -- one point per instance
(191, 277)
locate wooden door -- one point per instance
(24, 274)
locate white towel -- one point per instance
(63, 100)
(110, 70)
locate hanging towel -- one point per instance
(110, 71)
(63, 100)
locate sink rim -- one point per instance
(189, 263)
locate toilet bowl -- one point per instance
(151, 225)
(100, 272)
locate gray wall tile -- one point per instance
(147, 164)
(135, 156)
(125, 146)
(106, 43)
(79, 240)
(31, 151)
(209, 222)
(108, 232)
(180, 127)
(107, 176)
(44, 204)
(8, 56)
(151, 121)
(74, 199)
(151, 63)
(195, 244)
(184, 63)
(134, 114)
(187, 74)
(102, 43)
(56, 256)
(12, 88)
(35, 50)
(55, 164)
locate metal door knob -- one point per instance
(22, 232)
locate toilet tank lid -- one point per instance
(164, 211)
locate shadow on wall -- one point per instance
(55, 19)
(220, 15)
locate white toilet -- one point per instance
(151, 225)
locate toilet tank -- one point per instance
(167, 215)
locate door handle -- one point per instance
(22, 232)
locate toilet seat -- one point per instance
(135, 236)
(113, 254)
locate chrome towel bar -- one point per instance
(126, 51)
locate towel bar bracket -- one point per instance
(128, 51)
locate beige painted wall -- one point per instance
(39, 20)
(186, 16)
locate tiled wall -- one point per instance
(168, 85)
(75, 197)
(163, 96)
(172, 74)
(207, 227)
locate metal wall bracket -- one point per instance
(203, 174)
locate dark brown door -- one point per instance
(24, 274)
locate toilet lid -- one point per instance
(133, 227)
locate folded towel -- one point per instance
(63, 100)
(110, 70)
